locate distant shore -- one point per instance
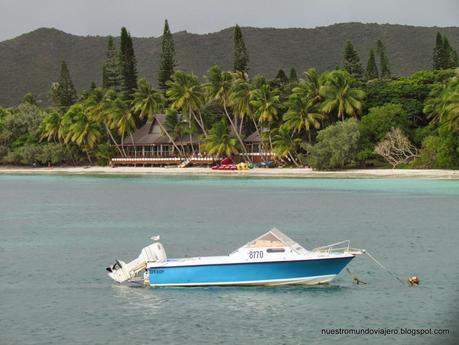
(258, 172)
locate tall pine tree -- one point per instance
(372, 69)
(167, 57)
(437, 51)
(111, 67)
(281, 77)
(352, 61)
(383, 60)
(293, 76)
(444, 56)
(445, 53)
(128, 64)
(455, 59)
(241, 57)
(65, 93)
(448, 54)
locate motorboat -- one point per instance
(271, 259)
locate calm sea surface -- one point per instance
(58, 233)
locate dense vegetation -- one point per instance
(345, 117)
(29, 61)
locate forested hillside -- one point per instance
(30, 62)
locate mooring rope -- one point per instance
(384, 268)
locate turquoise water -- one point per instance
(58, 233)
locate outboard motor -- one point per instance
(121, 271)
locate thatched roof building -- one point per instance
(150, 134)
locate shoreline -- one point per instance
(258, 172)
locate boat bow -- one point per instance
(340, 247)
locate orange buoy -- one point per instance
(413, 281)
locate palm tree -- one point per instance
(285, 145)
(125, 120)
(51, 127)
(312, 85)
(100, 107)
(53, 130)
(340, 96)
(148, 102)
(266, 104)
(239, 98)
(444, 107)
(83, 130)
(176, 125)
(186, 94)
(219, 141)
(218, 88)
(302, 115)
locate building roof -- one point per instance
(150, 134)
(253, 138)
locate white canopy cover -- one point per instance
(273, 239)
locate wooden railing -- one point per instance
(148, 155)
(154, 155)
(185, 156)
(161, 160)
(149, 158)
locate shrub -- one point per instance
(40, 154)
(104, 152)
(23, 155)
(440, 151)
(54, 154)
(377, 123)
(336, 146)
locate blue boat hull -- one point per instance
(308, 272)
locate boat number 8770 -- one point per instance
(255, 254)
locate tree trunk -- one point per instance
(262, 142)
(169, 137)
(70, 153)
(89, 157)
(294, 161)
(122, 145)
(191, 140)
(270, 139)
(235, 131)
(113, 139)
(240, 125)
(198, 121)
(203, 127)
(133, 144)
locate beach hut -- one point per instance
(256, 149)
(149, 145)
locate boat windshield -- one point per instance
(274, 239)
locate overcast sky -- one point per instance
(145, 17)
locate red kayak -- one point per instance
(225, 167)
(225, 164)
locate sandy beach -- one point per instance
(259, 172)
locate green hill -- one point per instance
(30, 62)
